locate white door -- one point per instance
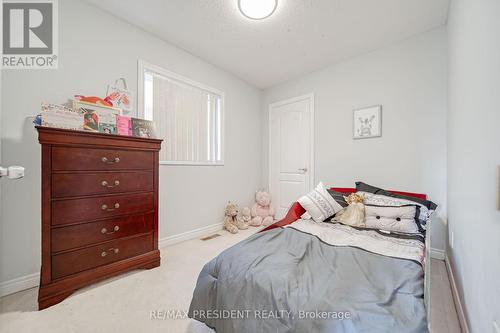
(291, 169)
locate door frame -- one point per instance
(272, 106)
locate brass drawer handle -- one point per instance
(106, 184)
(112, 250)
(115, 160)
(105, 207)
(105, 231)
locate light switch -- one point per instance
(15, 172)
(12, 172)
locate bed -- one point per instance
(302, 276)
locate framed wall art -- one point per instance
(367, 122)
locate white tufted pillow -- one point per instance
(397, 219)
(382, 200)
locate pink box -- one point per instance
(123, 125)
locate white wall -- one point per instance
(474, 157)
(96, 48)
(409, 81)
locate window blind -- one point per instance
(187, 118)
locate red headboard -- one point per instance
(409, 194)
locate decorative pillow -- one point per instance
(393, 218)
(385, 198)
(362, 187)
(319, 203)
(382, 200)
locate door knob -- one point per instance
(303, 170)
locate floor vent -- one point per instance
(209, 237)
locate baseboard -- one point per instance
(437, 254)
(19, 284)
(170, 240)
(456, 298)
(32, 280)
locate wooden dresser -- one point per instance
(99, 209)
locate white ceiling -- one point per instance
(300, 37)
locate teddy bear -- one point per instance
(262, 211)
(354, 214)
(246, 215)
(232, 221)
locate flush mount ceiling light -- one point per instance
(257, 9)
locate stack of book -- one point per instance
(96, 118)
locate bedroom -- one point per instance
(288, 94)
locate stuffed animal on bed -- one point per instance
(232, 221)
(246, 215)
(262, 211)
(354, 214)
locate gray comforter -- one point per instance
(287, 280)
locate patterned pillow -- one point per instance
(402, 219)
(319, 204)
(363, 187)
(382, 200)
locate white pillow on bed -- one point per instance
(382, 200)
(395, 219)
(319, 203)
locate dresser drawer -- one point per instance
(76, 261)
(65, 158)
(70, 237)
(67, 185)
(87, 209)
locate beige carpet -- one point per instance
(124, 304)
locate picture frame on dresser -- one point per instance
(99, 209)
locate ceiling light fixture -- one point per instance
(257, 9)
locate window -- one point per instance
(188, 116)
